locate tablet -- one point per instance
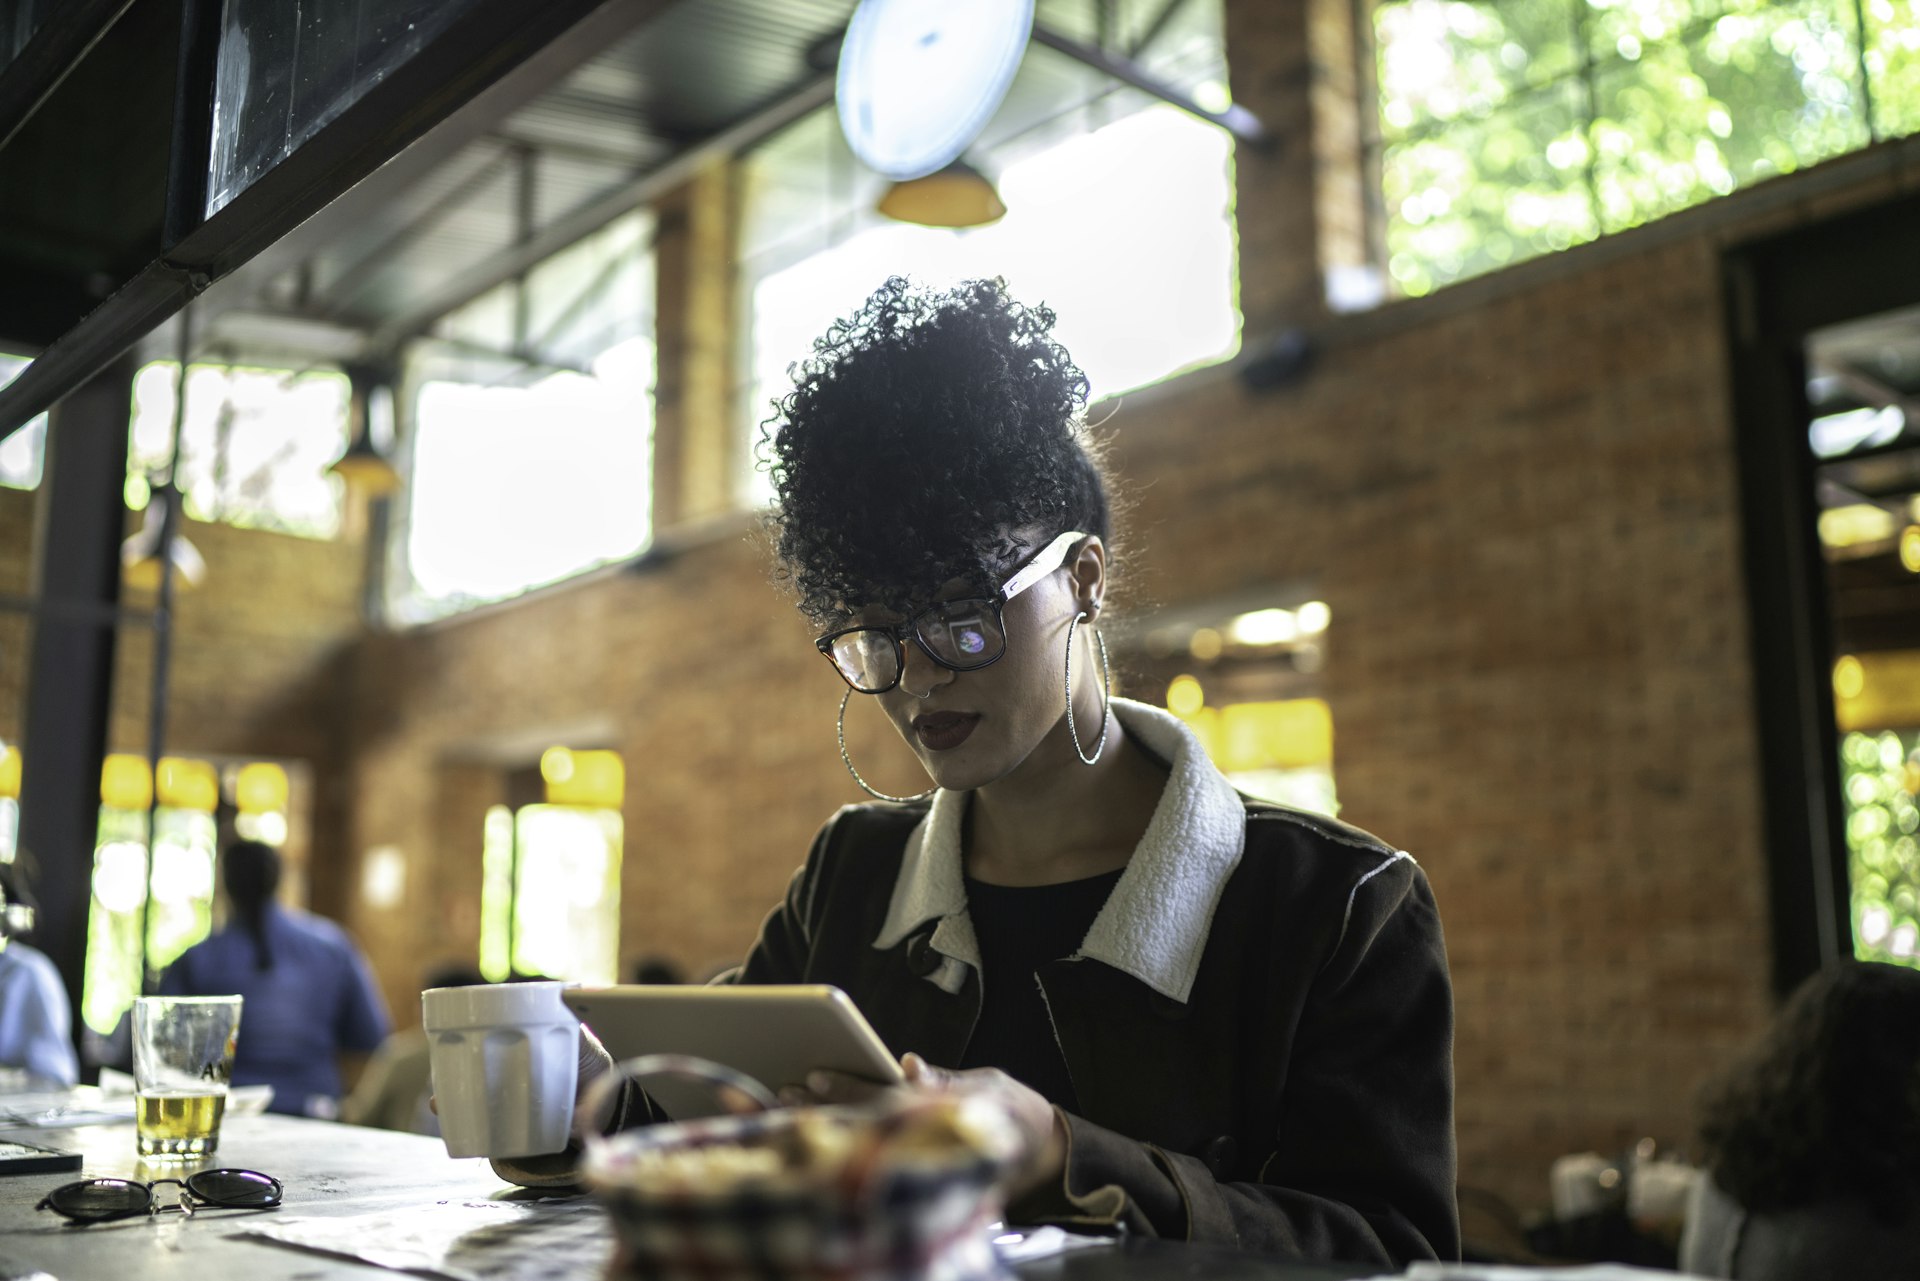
(774, 1034)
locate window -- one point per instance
(1513, 129)
(9, 802)
(1880, 780)
(1119, 218)
(550, 872)
(175, 901)
(255, 448)
(21, 454)
(530, 454)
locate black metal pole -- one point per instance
(79, 519)
(169, 497)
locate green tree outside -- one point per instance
(1515, 128)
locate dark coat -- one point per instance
(1260, 1040)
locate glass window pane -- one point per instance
(1440, 62)
(566, 896)
(181, 911)
(512, 487)
(496, 895)
(23, 453)
(1879, 776)
(256, 445)
(529, 463)
(1757, 94)
(112, 976)
(1893, 64)
(1487, 193)
(1626, 28)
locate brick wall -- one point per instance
(1524, 521)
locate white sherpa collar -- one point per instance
(1154, 925)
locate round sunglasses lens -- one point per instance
(866, 660)
(99, 1199)
(963, 633)
(234, 1187)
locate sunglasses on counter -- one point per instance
(99, 1200)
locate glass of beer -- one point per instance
(182, 1059)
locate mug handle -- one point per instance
(599, 1095)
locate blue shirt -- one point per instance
(36, 1021)
(316, 1000)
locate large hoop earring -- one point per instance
(840, 732)
(1106, 695)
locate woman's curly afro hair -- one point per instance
(925, 430)
(1828, 1104)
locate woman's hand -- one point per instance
(1043, 1134)
(594, 1063)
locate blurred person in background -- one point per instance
(394, 1091)
(1812, 1141)
(36, 1019)
(658, 970)
(1210, 1017)
(309, 996)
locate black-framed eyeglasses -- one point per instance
(98, 1200)
(961, 635)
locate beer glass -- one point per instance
(182, 1060)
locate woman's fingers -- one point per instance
(920, 1072)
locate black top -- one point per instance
(1296, 1098)
(1020, 928)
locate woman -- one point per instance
(308, 994)
(1214, 1018)
(1811, 1141)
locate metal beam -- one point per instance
(589, 217)
(478, 48)
(1236, 120)
(55, 49)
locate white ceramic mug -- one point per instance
(505, 1057)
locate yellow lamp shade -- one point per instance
(261, 788)
(957, 196)
(187, 784)
(597, 780)
(365, 471)
(9, 772)
(125, 783)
